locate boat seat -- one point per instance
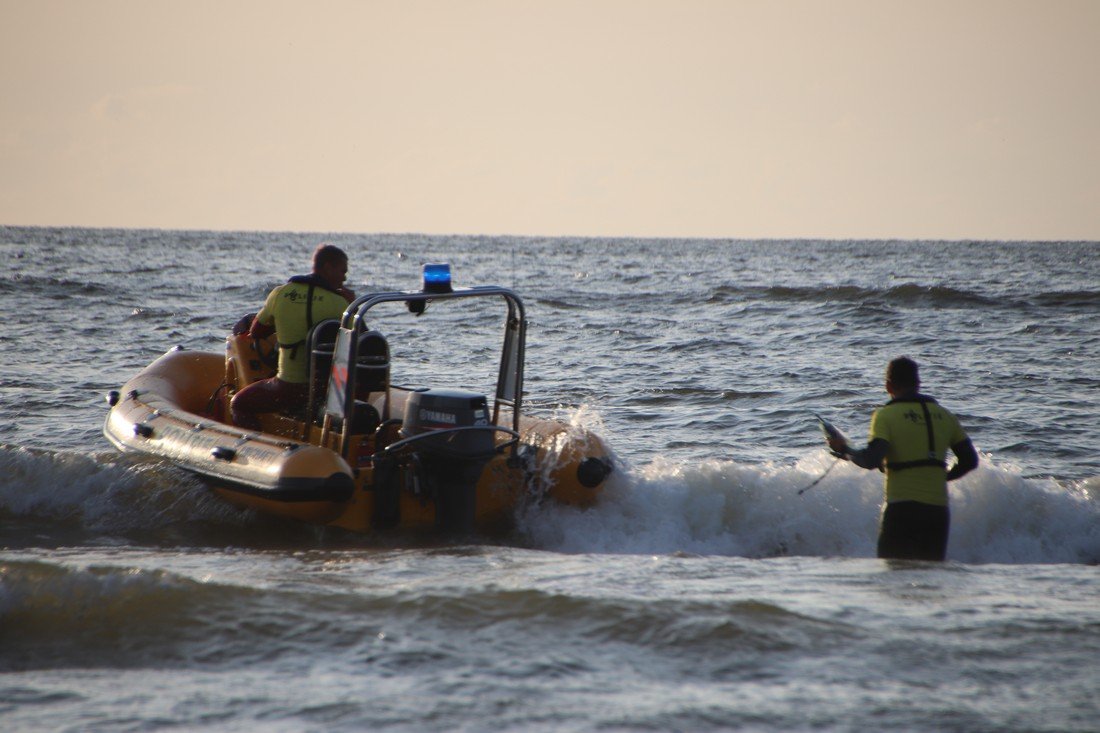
(244, 363)
(368, 403)
(372, 378)
(372, 365)
(366, 419)
(322, 343)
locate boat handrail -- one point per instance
(509, 385)
(355, 314)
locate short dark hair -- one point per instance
(903, 372)
(326, 254)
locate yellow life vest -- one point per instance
(293, 309)
(919, 432)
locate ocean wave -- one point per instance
(682, 624)
(655, 396)
(755, 511)
(715, 507)
(75, 612)
(1071, 299)
(909, 294)
(560, 304)
(52, 497)
(49, 287)
(103, 616)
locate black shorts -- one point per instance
(911, 530)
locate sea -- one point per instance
(705, 590)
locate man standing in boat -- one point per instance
(290, 311)
(912, 433)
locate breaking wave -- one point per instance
(730, 508)
(716, 507)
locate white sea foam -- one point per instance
(100, 495)
(729, 508)
(706, 508)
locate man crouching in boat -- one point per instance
(290, 311)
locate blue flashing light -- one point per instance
(437, 278)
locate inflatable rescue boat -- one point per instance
(362, 453)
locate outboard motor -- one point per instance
(452, 463)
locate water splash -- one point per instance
(731, 508)
(69, 497)
(712, 507)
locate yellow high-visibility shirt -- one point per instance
(285, 308)
(902, 424)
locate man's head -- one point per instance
(902, 375)
(331, 264)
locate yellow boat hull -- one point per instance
(176, 409)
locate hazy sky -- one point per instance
(732, 118)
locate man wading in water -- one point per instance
(912, 433)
